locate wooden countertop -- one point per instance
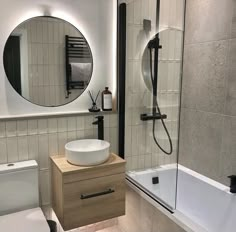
(67, 168)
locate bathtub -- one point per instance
(202, 204)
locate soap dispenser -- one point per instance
(106, 100)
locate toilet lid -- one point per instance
(24, 221)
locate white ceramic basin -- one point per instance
(87, 152)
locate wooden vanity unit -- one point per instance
(85, 195)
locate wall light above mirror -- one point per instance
(48, 61)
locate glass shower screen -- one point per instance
(153, 76)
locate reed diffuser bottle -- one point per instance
(106, 100)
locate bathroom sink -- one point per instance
(87, 152)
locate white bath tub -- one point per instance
(201, 204)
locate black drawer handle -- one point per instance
(109, 191)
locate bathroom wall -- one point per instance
(140, 149)
(46, 60)
(208, 112)
(41, 138)
(87, 16)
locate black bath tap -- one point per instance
(232, 183)
(100, 123)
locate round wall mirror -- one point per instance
(48, 61)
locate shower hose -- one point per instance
(159, 111)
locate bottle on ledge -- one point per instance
(106, 100)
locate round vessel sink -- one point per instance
(87, 152)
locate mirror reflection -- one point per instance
(48, 61)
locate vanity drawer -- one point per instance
(94, 200)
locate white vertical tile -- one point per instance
(88, 124)
(33, 147)
(2, 129)
(39, 31)
(128, 163)
(129, 41)
(62, 140)
(71, 122)
(42, 126)
(41, 99)
(172, 13)
(40, 75)
(21, 127)
(53, 144)
(44, 187)
(71, 136)
(51, 71)
(171, 46)
(23, 148)
(128, 140)
(62, 124)
(137, 12)
(107, 134)
(134, 164)
(43, 151)
(145, 9)
(46, 74)
(40, 54)
(45, 32)
(141, 162)
(113, 120)
(178, 45)
(180, 14)
(47, 95)
(32, 127)
(52, 125)
(50, 32)
(11, 128)
(114, 140)
(12, 150)
(106, 120)
(152, 14)
(80, 134)
(137, 42)
(130, 12)
(89, 134)
(56, 32)
(33, 32)
(135, 150)
(148, 161)
(3, 150)
(136, 76)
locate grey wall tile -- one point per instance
(207, 140)
(208, 20)
(188, 128)
(204, 76)
(233, 27)
(201, 139)
(230, 108)
(189, 82)
(228, 154)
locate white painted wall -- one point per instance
(97, 22)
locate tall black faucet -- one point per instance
(232, 183)
(100, 123)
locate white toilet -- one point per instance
(19, 198)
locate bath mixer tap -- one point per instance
(100, 123)
(232, 183)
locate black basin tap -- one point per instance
(232, 183)
(100, 123)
